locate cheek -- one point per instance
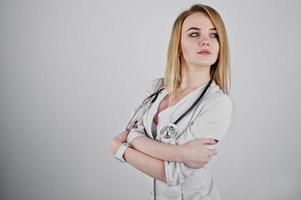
(186, 47)
(216, 48)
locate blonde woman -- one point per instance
(189, 112)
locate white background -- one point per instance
(71, 72)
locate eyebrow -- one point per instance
(196, 28)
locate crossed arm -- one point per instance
(148, 156)
(149, 165)
(152, 166)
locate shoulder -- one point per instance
(214, 115)
(216, 98)
(155, 84)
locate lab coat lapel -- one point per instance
(148, 122)
(173, 113)
(151, 113)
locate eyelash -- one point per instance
(191, 35)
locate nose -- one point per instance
(204, 42)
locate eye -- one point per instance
(194, 34)
(214, 35)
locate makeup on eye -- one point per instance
(197, 34)
(215, 35)
(194, 34)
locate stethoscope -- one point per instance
(141, 110)
(169, 130)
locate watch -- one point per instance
(120, 152)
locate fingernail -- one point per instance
(215, 140)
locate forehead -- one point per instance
(198, 20)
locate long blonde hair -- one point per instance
(219, 71)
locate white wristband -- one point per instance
(119, 153)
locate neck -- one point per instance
(194, 76)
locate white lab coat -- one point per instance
(210, 119)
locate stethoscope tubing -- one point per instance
(155, 95)
(132, 124)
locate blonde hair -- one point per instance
(219, 71)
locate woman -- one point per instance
(166, 144)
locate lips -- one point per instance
(204, 51)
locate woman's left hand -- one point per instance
(117, 141)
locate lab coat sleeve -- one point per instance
(214, 120)
(211, 122)
(138, 131)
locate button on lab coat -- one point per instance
(211, 119)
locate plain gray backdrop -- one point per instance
(71, 72)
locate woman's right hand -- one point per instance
(196, 154)
(117, 141)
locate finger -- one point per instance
(208, 158)
(208, 141)
(213, 152)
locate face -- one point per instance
(199, 41)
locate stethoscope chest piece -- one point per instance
(168, 133)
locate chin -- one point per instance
(203, 63)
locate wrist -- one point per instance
(119, 155)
